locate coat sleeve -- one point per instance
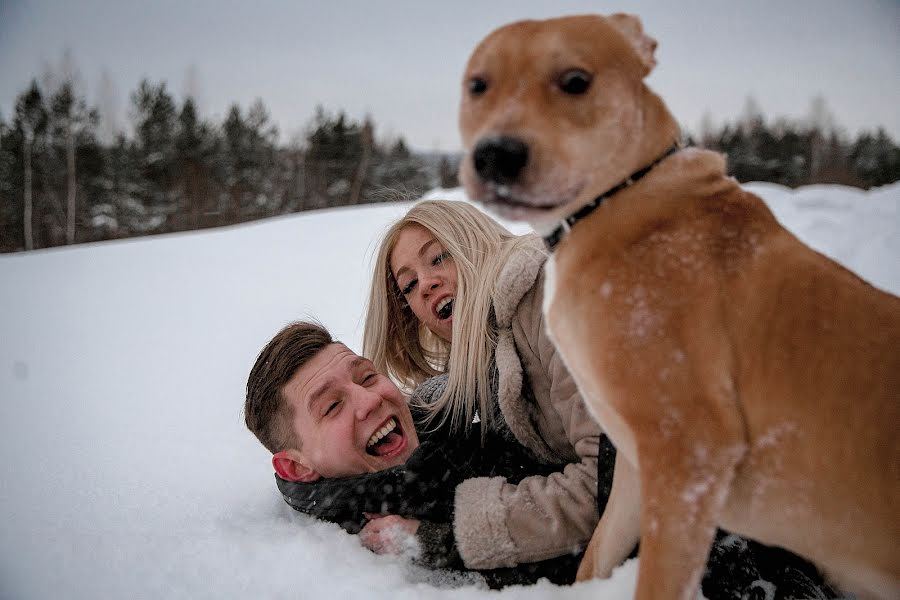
(498, 524)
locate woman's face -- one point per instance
(426, 276)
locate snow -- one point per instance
(127, 470)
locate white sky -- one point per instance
(401, 61)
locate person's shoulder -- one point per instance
(518, 277)
(429, 427)
(526, 257)
(428, 392)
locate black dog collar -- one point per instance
(553, 239)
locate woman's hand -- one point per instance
(389, 534)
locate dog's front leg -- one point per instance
(684, 487)
(619, 527)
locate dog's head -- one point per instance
(554, 112)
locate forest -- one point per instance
(175, 170)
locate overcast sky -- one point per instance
(401, 61)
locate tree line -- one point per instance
(176, 170)
(802, 152)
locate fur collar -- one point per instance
(518, 407)
(516, 278)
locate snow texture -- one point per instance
(127, 471)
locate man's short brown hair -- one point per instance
(266, 412)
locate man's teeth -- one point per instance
(376, 437)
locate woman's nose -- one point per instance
(430, 283)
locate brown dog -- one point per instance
(746, 380)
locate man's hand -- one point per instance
(389, 534)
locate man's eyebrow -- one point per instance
(318, 393)
(361, 361)
(324, 387)
(422, 251)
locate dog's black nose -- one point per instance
(500, 159)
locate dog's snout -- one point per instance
(500, 159)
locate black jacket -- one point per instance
(423, 488)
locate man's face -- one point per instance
(349, 418)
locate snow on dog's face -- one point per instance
(552, 113)
(350, 419)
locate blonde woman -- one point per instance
(455, 292)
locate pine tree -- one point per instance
(8, 215)
(875, 159)
(195, 148)
(235, 151)
(334, 152)
(261, 174)
(155, 123)
(400, 174)
(448, 173)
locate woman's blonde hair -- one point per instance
(406, 350)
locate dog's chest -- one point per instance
(549, 287)
(566, 325)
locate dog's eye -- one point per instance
(477, 86)
(575, 81)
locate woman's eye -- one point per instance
(408, 287)
(440, 258)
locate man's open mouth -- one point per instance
(387, 440)
(445, 308)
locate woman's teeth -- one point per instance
(445, 308)
(376, 437)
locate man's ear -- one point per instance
(289, 467)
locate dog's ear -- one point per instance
(630, 26)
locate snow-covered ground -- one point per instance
(125, 467)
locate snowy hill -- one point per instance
(127, 471)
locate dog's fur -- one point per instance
(746, 380)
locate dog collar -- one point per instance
(553, 239)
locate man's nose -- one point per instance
(365, 401)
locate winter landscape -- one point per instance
(127, 471)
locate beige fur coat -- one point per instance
(497, 524)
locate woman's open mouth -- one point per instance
(388, 440)
(445, 308)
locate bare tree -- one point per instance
(109, 104)
(366, 141)
(751, 114)
(31, 119)
(821, 126)
(192, 87)
(70, 116)
(707, 129)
